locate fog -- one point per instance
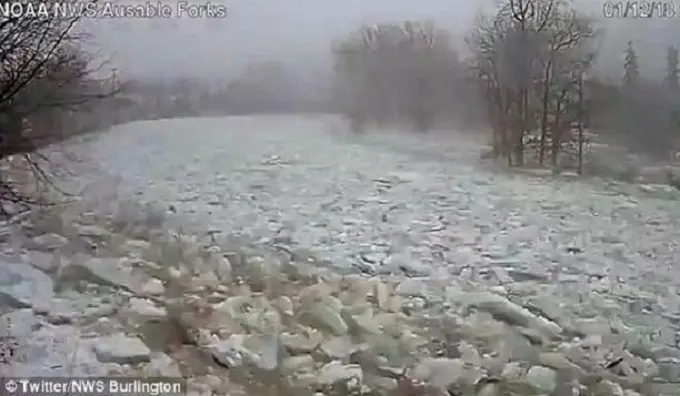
(399, 216)
(300, 33)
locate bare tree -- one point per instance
(397, 73)
(522, 56)
(566, 34)
(486, 42)
(352, 78)
(45, 77)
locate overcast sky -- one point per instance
(258, 29)
(298, 31)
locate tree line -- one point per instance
(530, 68)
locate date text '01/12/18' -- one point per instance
(639, 10)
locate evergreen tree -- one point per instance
(631, 67)
(672, 71)
(672, 84)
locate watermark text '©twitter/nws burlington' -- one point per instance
(112, 9)
(92, 386)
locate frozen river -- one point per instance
(415, 205)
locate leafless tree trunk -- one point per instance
(557, 133)
(547, 80)
(522, 12)
(580, 122)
